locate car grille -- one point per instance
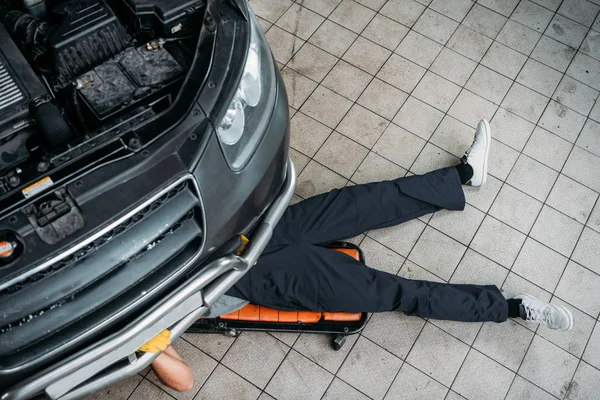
(122, 268)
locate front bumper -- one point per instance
(114, 358)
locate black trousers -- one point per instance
(296, 271)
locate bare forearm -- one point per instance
(172, 371)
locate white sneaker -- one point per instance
(551, 315)
(477, 155)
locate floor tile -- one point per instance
(147, 390)
(270, 10)
(582, 166)
(419, 49)
(382, 98)
(415, 385)
(482, 378)
(453, 66)
(288, 338)
(566, 31)
(437, 253)
(525, 102)
(469, 43)
(539, 77)
(385, 32)
(587, 251)
(119, 391)
(306, 134)
(323, 7)
(406, 12)
(347, 80)
(510, 199)
(532, 177)
(540, 264)
(366, 55)
(594, 220)
(381, 258)
(484, 21)
(300, 21)
(592, 351)
(214, 345)
(452, 136)
(340, 390)
(375, 168)
(522, 389)
(518, 37)
(516, 285)
(575, 95)
(373, 4)
(369, 368)
(453, 396)
(326, 106)
(399, 145)
(400, 238)
(289, 382)
(435, 26)
(341, 154)
(504, 7)
(580, 287)
(438, 354)
(352, 15)
(556, 231)
(595, 113)
(432, 158)
(265, 396)
(456, 10)
(585, 69)
(312, 62)
(383, 329)
(551, 5)
(501, 160)
(579, 10)
(476, 269)
(298, 87)
(562, 121)
(488, 84)
(255, 356)
(504, 60)
(333, 38)
(464, 331)
(577, 338)
(418, 117)
(316, 179)
(548, 366)
(363, 126)
(585, 383)
(553, 53)
(401, 73)
(589, 139)
(483, 197)
(283, 44)
(458, 225)
(201, 365)
(532, 15)
(224, 384)
(470, 108)
(572, 199)
(548, 148)
(498, 241)
(591, 44)
(511, 129)
(436, 91)
(506, 343)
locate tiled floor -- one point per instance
(379, 89)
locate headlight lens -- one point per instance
(246, 117)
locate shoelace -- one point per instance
(532, 314)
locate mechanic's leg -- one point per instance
(305, 277)
(347, 212)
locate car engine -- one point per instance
(72, 72)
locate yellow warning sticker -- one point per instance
(37, 187)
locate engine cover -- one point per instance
(18, 86)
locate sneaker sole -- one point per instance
(571, 318)
(488, 141)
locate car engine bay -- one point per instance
(75, 74)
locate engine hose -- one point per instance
(52, 125)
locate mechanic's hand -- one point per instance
(158, 343)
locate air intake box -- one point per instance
(88, 34)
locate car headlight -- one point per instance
(246, 117)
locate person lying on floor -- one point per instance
(297, 272)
